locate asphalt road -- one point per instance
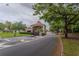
(38, 47)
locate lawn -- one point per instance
(9, 34)
(71, 47)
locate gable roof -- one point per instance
(38, 24)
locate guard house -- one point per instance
(38, 28)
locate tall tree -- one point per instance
(67, 13)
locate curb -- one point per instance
(61, 43)
(58, 49)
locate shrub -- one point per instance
(25, 32)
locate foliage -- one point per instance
(17, 26)
(25, 33)
(76, 27)
(67, 13)
(56, 25)
(8, 25)
(2, 26)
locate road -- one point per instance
(41, 46)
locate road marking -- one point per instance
(2, 45)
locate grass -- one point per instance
(9, 34)
(71, 47)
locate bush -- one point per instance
(43, 34)
(25, 32)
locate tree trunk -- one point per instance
(66, 29)
(66, 32)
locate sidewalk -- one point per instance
(58, 50)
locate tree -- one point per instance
(67, 13)
(2, 26)
(17, 26)
(14, 28)
(56, 26)
(21, 26)
(76, 27)
(8, 25)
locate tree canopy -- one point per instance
(12, 27)
(68, 13)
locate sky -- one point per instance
(19, 12)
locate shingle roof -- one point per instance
(38, 24)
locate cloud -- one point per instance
(18, 12)
(29, 5)
(13, 11)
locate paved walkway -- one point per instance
(58, 50)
